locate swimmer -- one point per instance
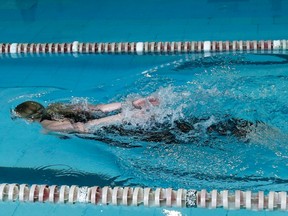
(73, 118)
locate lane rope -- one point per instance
(140, 48)
(138, 196)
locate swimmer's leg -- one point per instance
(233, 126)
(162, 136)
(187, 125)
(184, 127)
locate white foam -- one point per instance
(82, 102)
(169, 109)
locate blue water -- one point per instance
(247, 86)
(127, 20)
(251, 87)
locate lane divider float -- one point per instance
(77, 47)
(138, 196)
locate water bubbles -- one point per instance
(79, 100)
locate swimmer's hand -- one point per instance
(144, 102)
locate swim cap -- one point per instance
(29, 110)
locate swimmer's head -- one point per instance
(29, 110)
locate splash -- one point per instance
(170, 108)
(81, 102)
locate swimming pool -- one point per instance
(208, 87)
(248, 86)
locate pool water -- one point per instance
(246, 86)
(243, 86)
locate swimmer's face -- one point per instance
(29, 110)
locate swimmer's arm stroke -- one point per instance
(139, 103)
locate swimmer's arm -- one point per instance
(139, 103)
(63, 126)
(106, 107)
